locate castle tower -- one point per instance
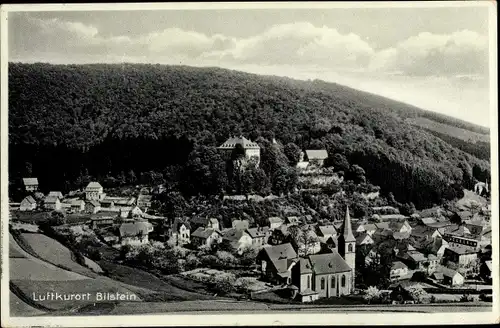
(347, 244)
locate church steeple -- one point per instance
(347, 228)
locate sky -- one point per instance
(433, 58)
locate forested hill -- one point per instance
(70, 123)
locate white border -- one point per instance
(266, 318)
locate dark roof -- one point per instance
(438, 275)
(361, 237)
(94, 203)
(346, 228)
(283, 251)
(131, 229)
(30, 181)
(30, 199)
(416, 256)
(178, 222)
(146, 198)
(447, 272)
(51, 199)
(204, 233)
(233, 234)
(305, 266)
(398, 265)
(241, 224)
(313, 154)
(94, 185)
(258, 231)
(382, 225)
(328, 263)
(233, 141)
(461, 250)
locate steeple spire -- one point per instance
(347, 228)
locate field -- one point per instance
(20, 308)
(456, 132)
(54, 252)
(136, 277)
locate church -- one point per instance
(328, 275)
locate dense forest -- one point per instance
(128, 124)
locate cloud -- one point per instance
(463, 53)
(426, 54)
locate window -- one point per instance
(343, 280)
(349, 248)
(322, 283)
(333, 282)
(308, 281)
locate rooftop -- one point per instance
(320, 154)
(30, 181)
(328, 263)
(94, 185)
(131, 229)
(233, 141)
(204, 233)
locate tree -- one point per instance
(357, 174)
(292, 152)
(372, 293)
(407, 209)
(339, 163)
(173, 204)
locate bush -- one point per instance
(372, 294)
(466, 298)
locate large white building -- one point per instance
(251, 149)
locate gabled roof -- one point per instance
(204, 233)
(94, 203)
(241, 224)
(30, 181)
(461, 250)
(305, 266)
(233, 234)
(30, 199)
(428, 220)
(313, 154)
(93, 185)
(131, 229)
(370, 227)
(326, 230)
(145, 198)
(390, 217)
(283, 251)
(178, 222)
(398, 265)
(489, 265)
(438, 275)
(258, 231)
(51, 199)
(56, 194)
(416, 256)
(361, 237)
(382, 225)
(447, 272)
(328, 263)
(233, 141)
(275, 219)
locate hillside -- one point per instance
(70, 123)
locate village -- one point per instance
(428, 256)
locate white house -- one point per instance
(398, 270)
(206, 237)
(94, 191)
(27, 204)
(135, 233)
(52, 203)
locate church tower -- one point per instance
(347, 244)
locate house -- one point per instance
(276, 263)
(414, 259)
(251, 149)
(369, 228)
(427, 221)
(400, 226)
(275, 222)
(94, 191)
(385, 210)
(206, 237)
(460, 255)
(259, 236)
(451, 277)
(28, 204)
(30, 184)
(476, 225)
(180, 232)
(77, 205)
(292, 220)
(438, 276)
(363, 239)
(425, 233)
(144, 201)
(101, 222)
(326, 231)
(372, 256)
(92, 206)
(107, 203)
(391, 217)
(316, 157)
(239, 239)
(240, 224)
(322, 275)
(52, 203)
(398, 270)
(135, 212)
(461, 236)
(305, 241)
(432, 261)
(135, 233)
(204, 222)
(57, 194)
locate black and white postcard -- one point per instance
(249, 164)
